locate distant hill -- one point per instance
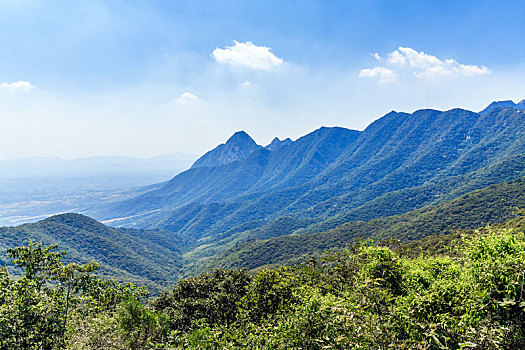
(504, 104)
(151, 257)
(238, 147)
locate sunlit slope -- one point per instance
(493, 204)
(141, 256)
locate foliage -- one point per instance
(367, 296)
(37, 307)
(140, 325)
(140, 256)
(371, 297)
(213, 296)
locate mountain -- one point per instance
(504, 104)
(399, 163)
(262, 171)
(276, 144)
(151, 257)
(238, 147)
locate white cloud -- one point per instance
(384, 74)
(423, 65)
(248, 55)
(20, 85)
(187, 97)
(246, 84)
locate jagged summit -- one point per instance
(240, 136)
(239, 146)
(277, 143)
(504, 104)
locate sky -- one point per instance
(143, 78)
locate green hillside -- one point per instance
(363, 297)
(490, 205)
(151, 257)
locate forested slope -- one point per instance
(489, 205)
(151, 257)
(363, 297)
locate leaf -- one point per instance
(506, 302)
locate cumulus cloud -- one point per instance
(384, 74)
(187, 97)
(20, 85)
(422, 65)
(247, 55)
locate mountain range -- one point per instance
(157, 258)
(246, 205)
(399, 163)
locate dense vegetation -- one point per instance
(151, 257)
(255, 249)
(367, 296)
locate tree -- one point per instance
(35, 307)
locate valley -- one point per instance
(35, 188)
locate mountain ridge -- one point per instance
(151, 257)
(332, 170)
(277, 143)
(399, 163)
(504, 104)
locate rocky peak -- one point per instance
(277, 143)
(239, 146)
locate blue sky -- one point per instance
(141, 78)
